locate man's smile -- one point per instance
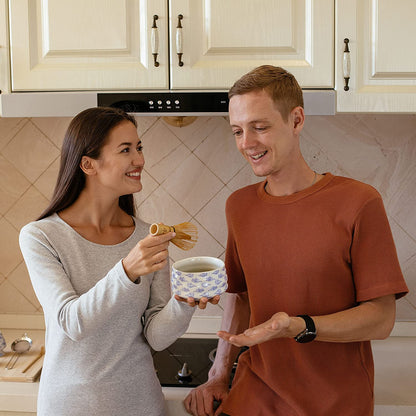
(257, 156)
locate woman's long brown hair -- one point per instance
(85, 136)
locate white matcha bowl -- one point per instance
(198, 277)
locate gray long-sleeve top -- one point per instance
(99, 324)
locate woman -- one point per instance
(103, 283)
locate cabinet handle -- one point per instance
(179, 49)
(155, 40)
(346, 65)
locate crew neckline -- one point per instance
(56, 215)
(288, 199)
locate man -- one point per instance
(313, 272)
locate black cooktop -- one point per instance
(193, 353)
(187, 361)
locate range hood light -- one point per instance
(179, 121)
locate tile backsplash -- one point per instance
(190, 172)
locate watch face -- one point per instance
(306, 337)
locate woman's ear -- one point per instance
(87, 165)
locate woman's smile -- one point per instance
(135, 174)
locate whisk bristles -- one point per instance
(186, 233)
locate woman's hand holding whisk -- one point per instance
(148, 255)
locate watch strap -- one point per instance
(308, 334)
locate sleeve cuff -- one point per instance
(121, 273)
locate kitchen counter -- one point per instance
(19, 399)
(395, 375)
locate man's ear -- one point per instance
(87, 165)
(298, 117)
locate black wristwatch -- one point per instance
(308, 334)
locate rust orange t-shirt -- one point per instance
(318, 251)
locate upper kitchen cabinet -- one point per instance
(381, 62)
(205, 44)
(220, 40)
(88, 44)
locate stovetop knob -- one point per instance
(184, 372)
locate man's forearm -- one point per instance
(373, 319)
(235, 319)
(369, 320)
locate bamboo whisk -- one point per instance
(186, 233)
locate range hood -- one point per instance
(156, 103)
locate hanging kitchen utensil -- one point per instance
(186, 233)
(2, 344)
(19, 346)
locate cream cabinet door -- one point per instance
(382, 55)
(88, 44)
(220, 40)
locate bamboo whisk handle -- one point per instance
(158, 229)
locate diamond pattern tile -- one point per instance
(218, 152)
(405, 245)
(212, 216)
(12, 301)
(402, 205)
(189, 173)
(144, 124)
(10, 256)
(404, 309)
(158, 143)
(243, 178)
(9, 127)
(18, 278)
(193, 134)
(170, 163)
(192, 190)
(149, 185)
(409, 272)
(30, 152)
(161, 207)
(46, 182)
(29, 206)
(12, 185)
(53, 128)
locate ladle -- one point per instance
(19, 346)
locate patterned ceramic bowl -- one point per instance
(198, 277)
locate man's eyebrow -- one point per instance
(260, 120)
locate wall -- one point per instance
(189, 173)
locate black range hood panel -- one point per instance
(167, 103)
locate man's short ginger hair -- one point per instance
(280, 84)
